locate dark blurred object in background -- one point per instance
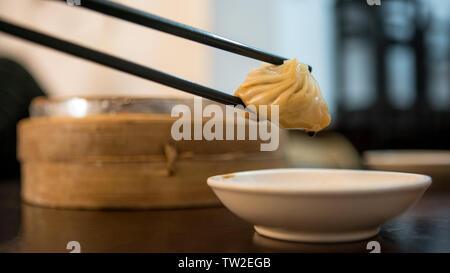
(393, 74)
(17, 89)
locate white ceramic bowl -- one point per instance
(435, 163)
(318, 205)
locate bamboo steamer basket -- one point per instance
(118, 153)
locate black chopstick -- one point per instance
(180, 30)
(119, 64)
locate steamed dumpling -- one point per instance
(293, 88)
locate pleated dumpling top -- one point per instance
(293, 88)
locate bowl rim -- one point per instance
(216, 182)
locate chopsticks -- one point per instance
(155, 22)
(119, 64)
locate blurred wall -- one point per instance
(61, 74)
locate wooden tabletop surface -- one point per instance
(25, 228)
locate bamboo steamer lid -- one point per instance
(122, 156)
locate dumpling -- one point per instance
(293, 88)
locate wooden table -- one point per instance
(24, 228)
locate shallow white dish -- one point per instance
(318, 205)
(435, 163)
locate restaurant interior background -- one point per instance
(383, 70)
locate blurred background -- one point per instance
(384, 70)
